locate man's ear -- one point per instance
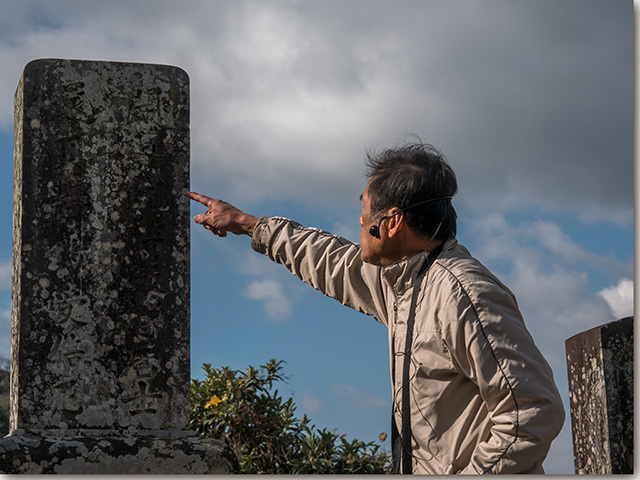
(396, 222)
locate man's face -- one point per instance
(370, 245)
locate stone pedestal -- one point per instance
(121, 452)
(100, 304)
(600, 371)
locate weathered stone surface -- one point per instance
(114, 452)
(100, 304)
(101, 246)
(600, 371)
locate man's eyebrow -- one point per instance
(361, 197)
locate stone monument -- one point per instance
(100, 359)
(600, 370)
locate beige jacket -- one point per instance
(483, 397)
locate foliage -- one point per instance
(244, 410)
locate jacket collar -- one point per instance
(401, 274)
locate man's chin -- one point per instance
(371, 260)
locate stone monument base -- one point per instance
(36, 452)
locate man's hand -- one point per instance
(222, 217)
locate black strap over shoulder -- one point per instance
(401, 441)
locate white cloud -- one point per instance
(254, 265)
(620, 298)
(286, 95)
(557, 301)
(497, 239)
(5, 275)
(549, 274)
(360, 399)
(311, 402)
(551, 236)
(276, 303)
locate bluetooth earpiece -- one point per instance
(374, 231)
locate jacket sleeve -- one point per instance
(492, 347)
(325, 261)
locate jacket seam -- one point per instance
(504, 375)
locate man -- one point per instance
(471, 391)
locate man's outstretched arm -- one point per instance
(222, 217)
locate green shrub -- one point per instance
(243, 410)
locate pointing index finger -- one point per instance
(203, 199)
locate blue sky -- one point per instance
(530, 100)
